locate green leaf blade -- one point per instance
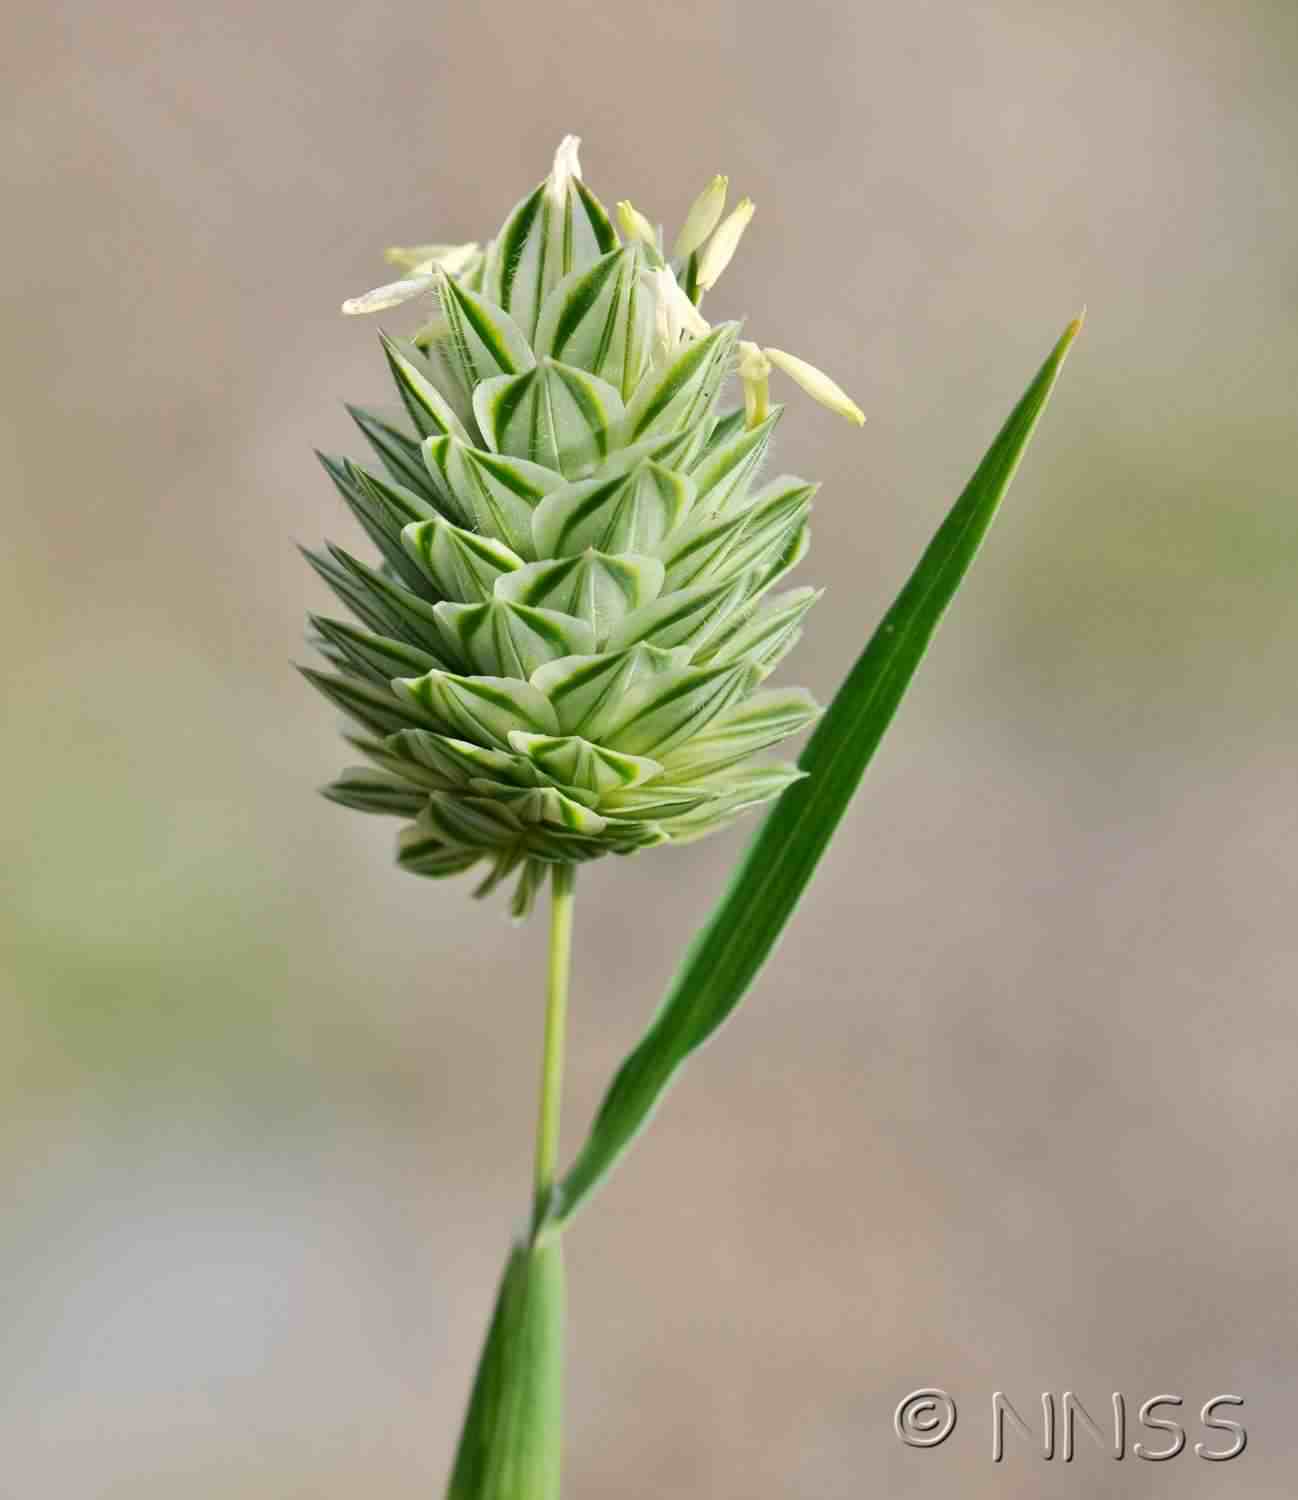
(728, 951)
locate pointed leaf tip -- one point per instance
(728, 952)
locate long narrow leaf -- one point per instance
(727, 953)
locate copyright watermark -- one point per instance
(927, 1418)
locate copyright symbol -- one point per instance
(925, 1418)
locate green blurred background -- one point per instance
(1013, 1106)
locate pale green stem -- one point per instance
(556, 1020)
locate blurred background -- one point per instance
(1013, 1106)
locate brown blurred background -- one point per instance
(1013, 1106)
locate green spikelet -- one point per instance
(562, 643)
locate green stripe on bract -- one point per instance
(529, 481)
(601, 226)
(543, 240)
(480, 821)
(569, 308)
(423, 850)
(577, 762)
(723, 474)
(725, 426)
(484, 340)
(569, 507)
(745, 788)
(755, 724)
(656, 801)
(378, 709)
(600, 321)
(348, 592)
(501, 407)
(762, 635)
(501, 639)
(458, 760)
(428, 408)
(370, 506)
(463, 565)
(396, 450)
(437, 454)
(580, 688)
(630, 835)
(482, 709)
(530, 881)
(390, 507)
(513, 265)
(378, 657)
(686, 617)
(716, 547)
(791, 554)
(407, 616)
(498, 493)
(584, 412)
(503, 864)
(674, 450)
(399, 503)
(682, 390)
(651, 719)
(373, 792)
(630, 512)
(593, 586)
(548, 805)
(382, 753)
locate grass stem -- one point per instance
(556, 1023)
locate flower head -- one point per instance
(561, 652)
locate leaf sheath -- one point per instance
(510, 1447)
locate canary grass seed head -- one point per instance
(561, 649)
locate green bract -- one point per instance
(561, 649)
